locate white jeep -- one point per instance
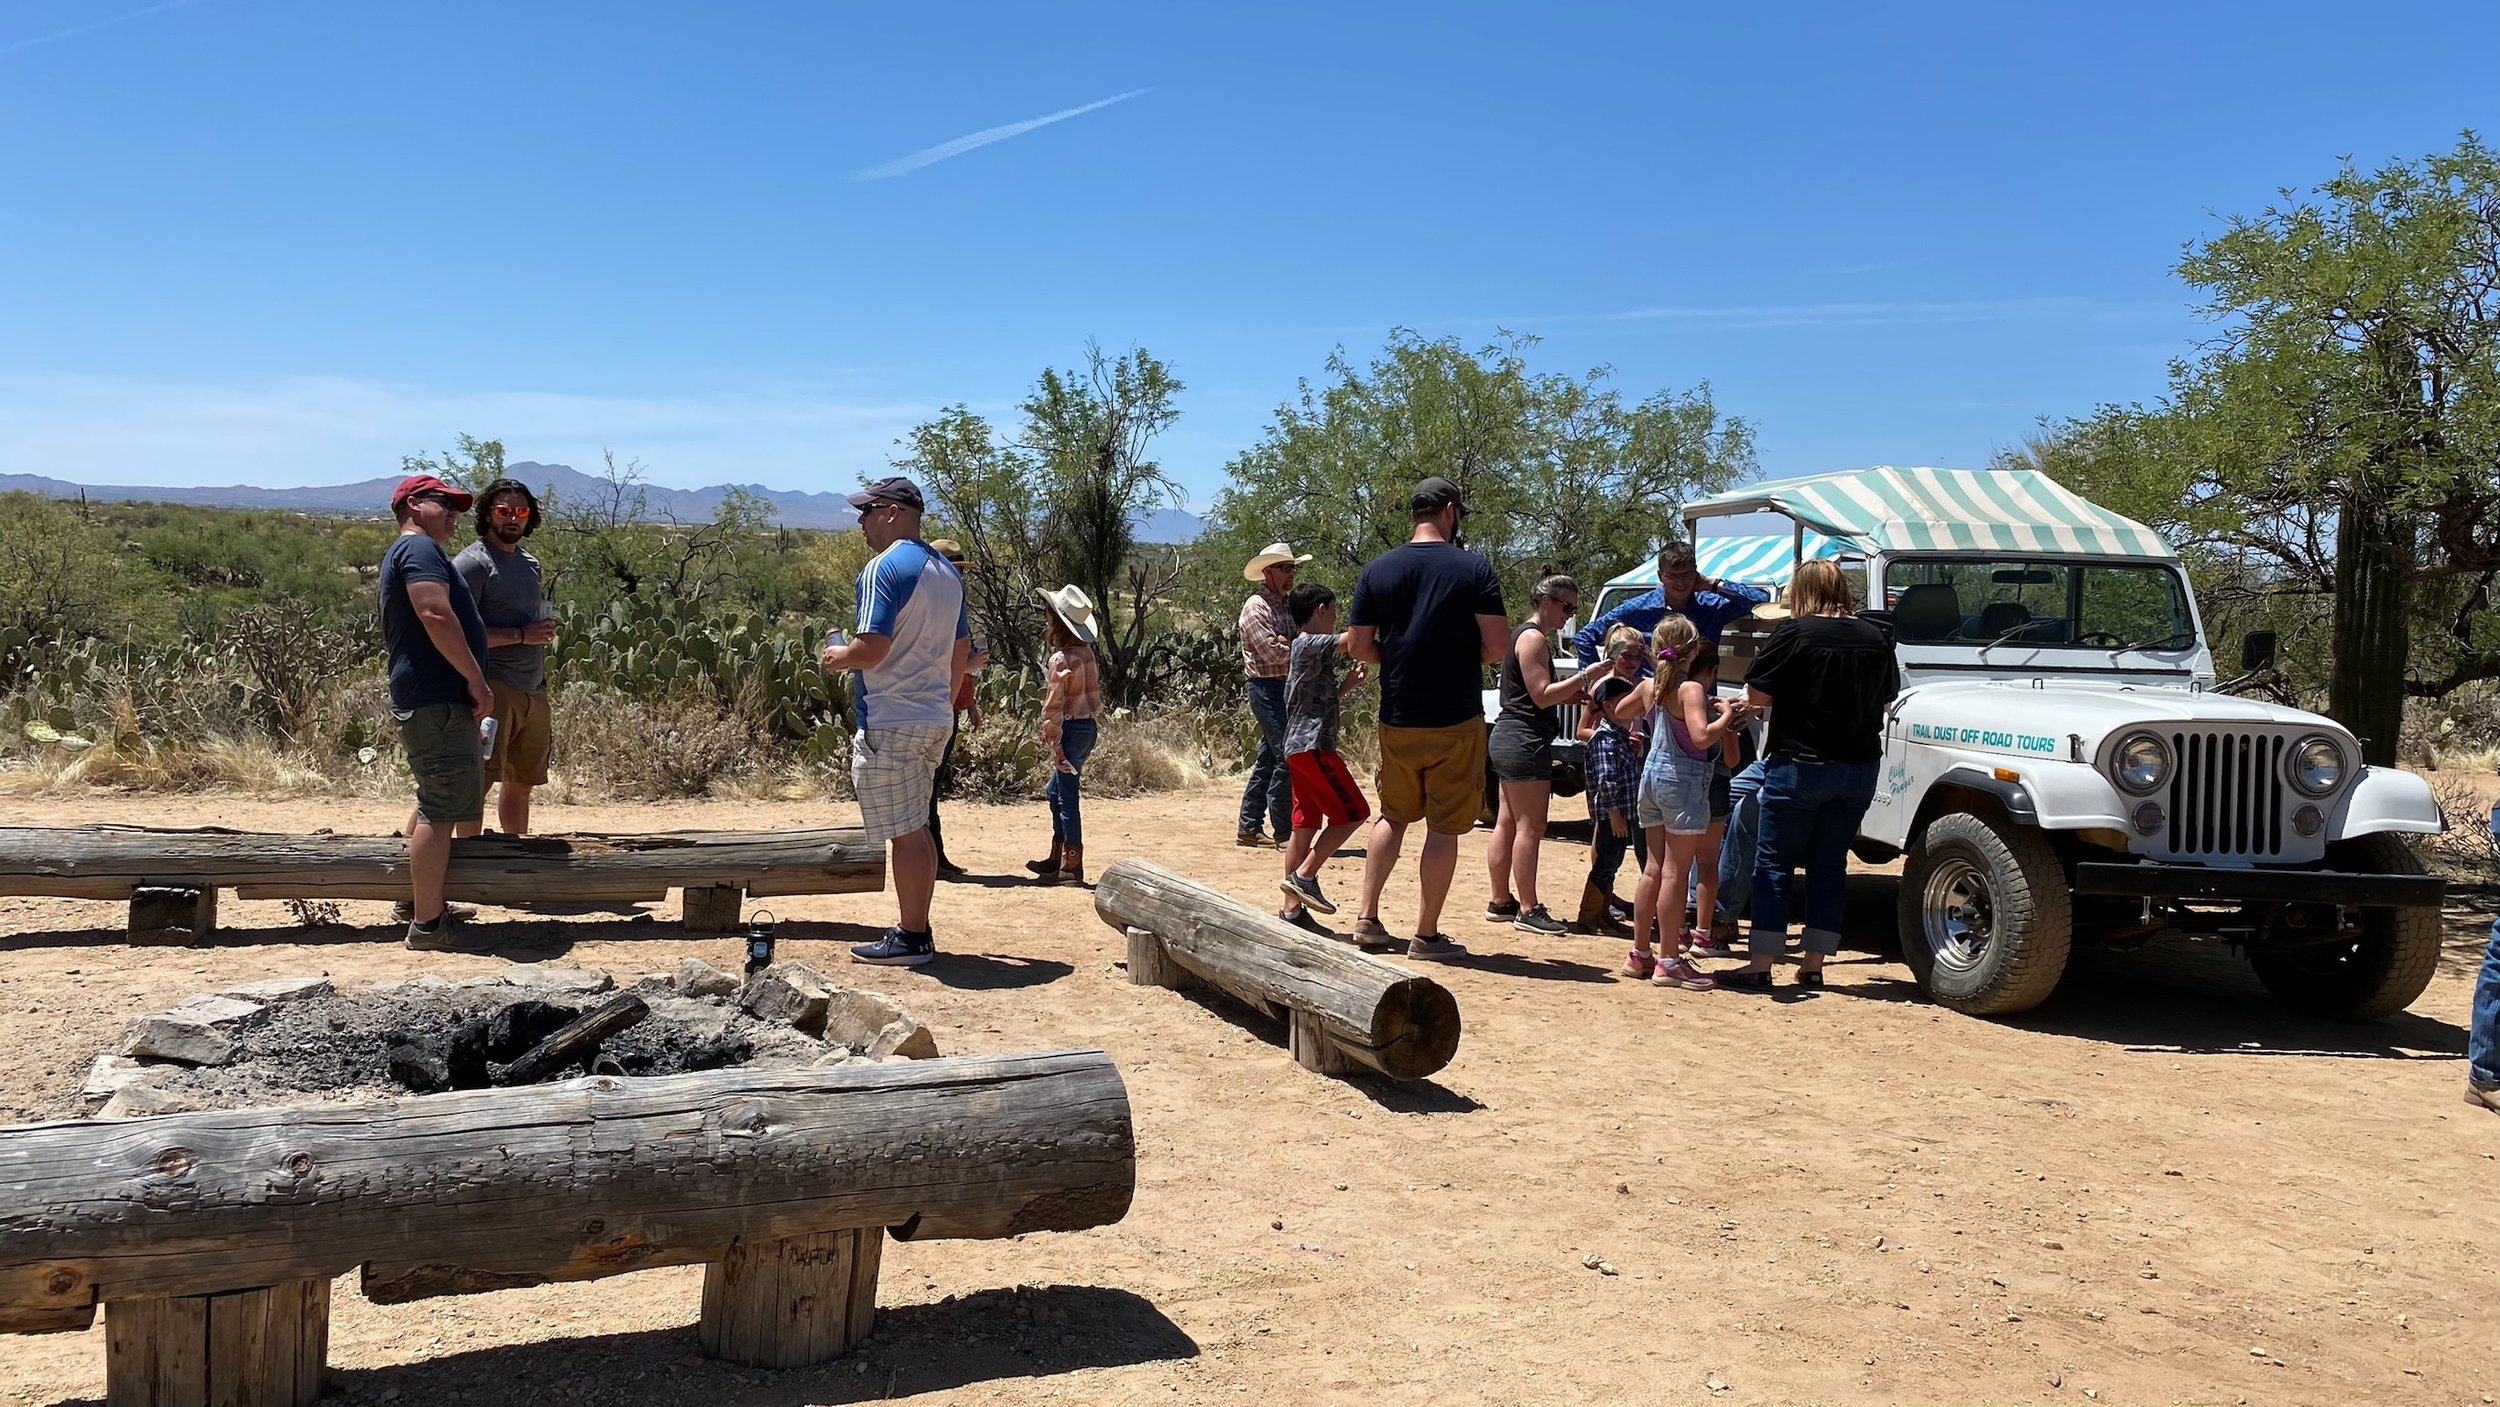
(2059, 766)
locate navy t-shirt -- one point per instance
(419, 673)
(1423, 600)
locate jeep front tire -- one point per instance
(2375, 974)
(1986, 915)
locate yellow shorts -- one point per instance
(1433, 775)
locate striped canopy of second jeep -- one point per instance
(1945, 510)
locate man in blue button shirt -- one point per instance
(1710, 605)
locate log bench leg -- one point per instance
(789, 1303)
(249, 1348)
(166, 915)
(1150, 966)
(1315, 1051)
(711, 908)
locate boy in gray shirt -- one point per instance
(511, 597)
(1327, 806)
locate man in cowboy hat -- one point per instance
(1266, 629)
(913, 648)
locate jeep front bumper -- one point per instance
(2196, 882)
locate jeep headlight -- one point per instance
(2318, 765)
(2143, 763)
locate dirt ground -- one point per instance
(2157, 1188)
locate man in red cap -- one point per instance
(436, 641)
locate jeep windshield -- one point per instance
(2038, 603)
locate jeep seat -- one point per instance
(1998, 617)
(1927, 610)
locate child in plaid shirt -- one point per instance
(1614, 783)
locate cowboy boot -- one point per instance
(1071, 865)
(1048, 865)
(1593, 916)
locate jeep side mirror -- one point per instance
(2257, 650)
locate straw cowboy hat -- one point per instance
(1074, 611)
(1277, 555)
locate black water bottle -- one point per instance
(759, 941)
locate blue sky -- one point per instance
(283, 241)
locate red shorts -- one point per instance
(1324, 793)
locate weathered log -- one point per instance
(1392, 1021)
(709, 908)
(576, 1039)
(247, 1348)
(162, 915)
(483, 1189)
(113, 862)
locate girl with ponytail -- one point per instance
(1687, 726)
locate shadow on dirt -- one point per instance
(2189, 997)
(998, 1337)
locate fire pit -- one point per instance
(775, 1130)
(294, 1038)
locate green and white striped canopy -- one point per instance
(1890, 510)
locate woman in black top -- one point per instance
(1520, 753)
(1825, 676)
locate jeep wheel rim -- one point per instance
(1958, 914)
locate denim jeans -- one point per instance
(2482, 1039)
(1607, 850)
(1736, 848)
(1067, 821)
(1271, 786)
(1810, 813)
(945, 782)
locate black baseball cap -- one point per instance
(895, 490)
(1435, 494)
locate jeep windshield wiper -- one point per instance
(2172, 641)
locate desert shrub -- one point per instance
(677, 745)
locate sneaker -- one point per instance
(1620, 910)
(1433, 947)
(1719, 941)
(1746, 981)
(449, 933)
(1373, 936)
(1638, 964)
(1501, 911)
(405, 912)
(1811, 981)
(1301, 918)
(1536, 920)
(2482, 1096)
(897, 949)
(1306, 889)
(948, 869)
(1252, 839)
(1676, 972)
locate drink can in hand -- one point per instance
(486, 737)
(833, 638)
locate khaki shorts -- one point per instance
(441, 743)
(524, 734)
(1433, 775)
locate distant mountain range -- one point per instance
(371, 498)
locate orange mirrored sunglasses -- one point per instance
(512, 510)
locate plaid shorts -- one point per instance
(894, 772)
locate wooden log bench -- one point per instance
(210, 1239)
(172, 877)
(1343, 1010)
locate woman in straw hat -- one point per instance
(1069, 729)
(1266, 630)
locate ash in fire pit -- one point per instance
(295, 1038)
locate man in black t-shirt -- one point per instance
(1430, 615)
(436, 642)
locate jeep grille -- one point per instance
(1568, 716)
(2226, 794)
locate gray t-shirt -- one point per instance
(1311, 695)
(509, 594)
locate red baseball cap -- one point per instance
(420, 483)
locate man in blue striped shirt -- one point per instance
(913, 648)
